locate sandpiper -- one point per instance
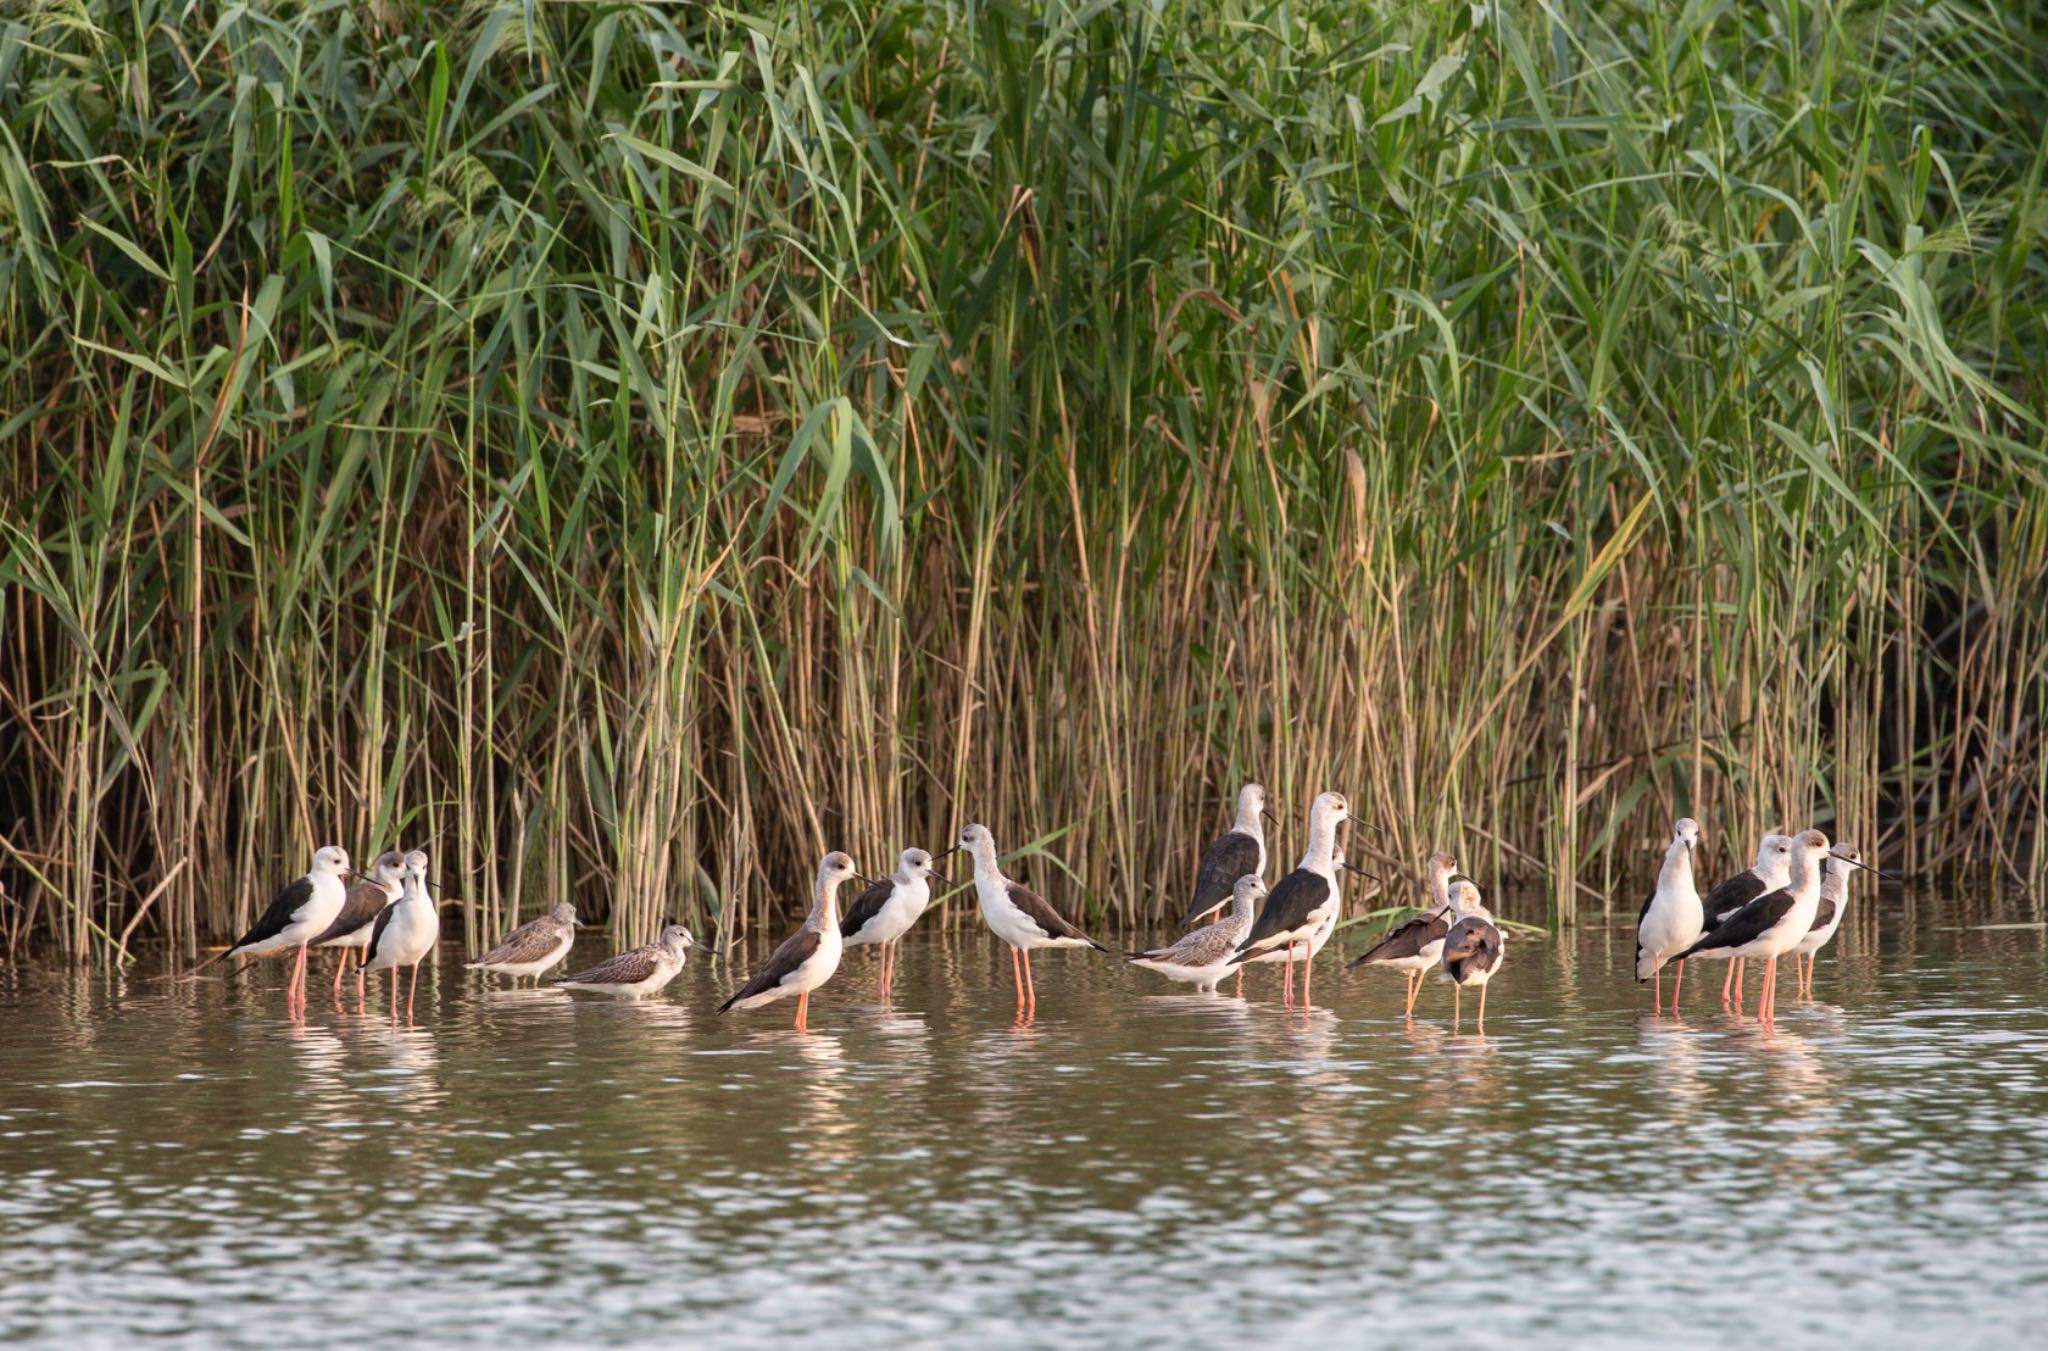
(885, 911)
(1202, 958)
(405, 932)
(1472, 950)
(1017, 914)
(636, 972)
(808, 957)
(1304, 899)
(1671, 918)
(1414, 948)
(350, 930)
(297, 915)
(1772, 924)
(1238, 851)
(533, 947)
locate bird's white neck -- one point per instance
(1834, 882)
(1804, 884)
(1244, 906)
(825, 903)
(1440, 887)
(983, 852)
(1775, 870)
(1676, 874)
(1322, 846)
(1248, 820)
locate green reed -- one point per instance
(636, 447)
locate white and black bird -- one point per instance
(1016, 914)
(1202, 958)
(637, 972)
(1773, 923)
(299, 914)
(1473, 950)
(885, 911)
(405, 932)
(1414, 948)
(808, 957)
(350, 930)
(1842, 860)
(1304, 899)
(1239, 851)
(1772, 871)
(534, 947)
(1672, 918)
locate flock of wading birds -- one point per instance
(1791, 900)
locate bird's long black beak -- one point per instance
(704, 948)
(1354, 868)
(943, 879)
(945, 853)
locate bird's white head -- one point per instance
(1809, 850)
(976, 840)
(835, 868)
(1441, 865)
(677, 937)
(331, 859)
(1249, 888)
(1330, 807)
(1251, 805)
(915, 863)
(1686, 832)
(1846, 855)
(389, 868)
(416, 861)
(1465, 896)
(1776, 850)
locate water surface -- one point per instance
(1138, 1166)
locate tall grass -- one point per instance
(635, 446)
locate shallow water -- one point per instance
(1137, 1166)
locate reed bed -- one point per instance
(635, 447)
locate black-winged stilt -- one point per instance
(1473, 951)
(1773, 923)
(1304, 899)
(1416, 946)
(405, 932)
(1842, 860)
(350, 930)
(885, 911)
(1672, 917)
(299, 914)
(1772, 871)
(808, 957)
(1017, 915)
(1236, 852)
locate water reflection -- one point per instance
(181, 1154)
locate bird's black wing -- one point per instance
(1730, 896)
(866, 906)
(1407, 940)
(794, 952)
(1745, 925)
(1473, 945)
(1300, 894)
(283, 909)
(1823, 916)
(1228, 857)
(358, 907)
(383, 922)
(1642, 915)
(1049, 921)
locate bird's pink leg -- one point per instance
(340, 970)
(803, 1009)
(1677, 979)
(411, 990)
(1725, 982)
(1287, 985)
(1240, 980)
(1017, 974)
(1657, 988)
(1482, 1008)
(1457, 1004)
(1030, 989)
(1308, 957)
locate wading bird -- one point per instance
(405, 932)
(1017, 914)
(1671, 919)
(637, 972)
(808, 957)
(350, 930)
(1202, 958)
(1773, 923)
(1827, 917)
(534, 947)
(885, 911)
(1413, 948)
(1472, 951)
(1772, 871)
(300, 913)
(1230, 856)
(1304, 899)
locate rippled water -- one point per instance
(1136, 1167)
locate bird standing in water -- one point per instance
(1017, 915)
(808, 957)
(1415, 947)
(1473, 951)
(1671, 918)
